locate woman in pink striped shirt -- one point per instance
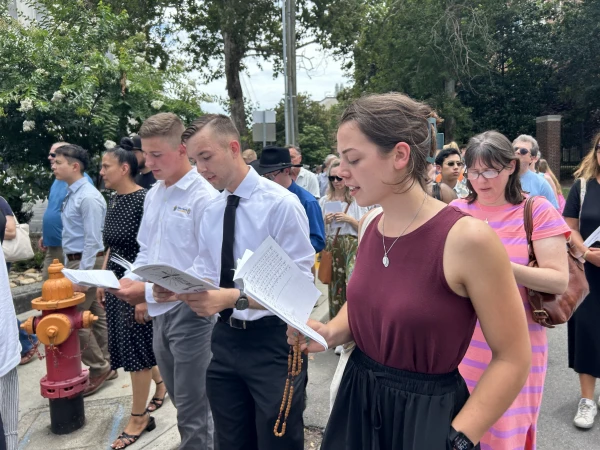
(496, 197)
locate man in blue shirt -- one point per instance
(275, 164)
(82, 214)
(51, 240)
(526, 149)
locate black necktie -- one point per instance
(227, 262)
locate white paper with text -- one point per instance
(272, 279)
(92, 278)
(168, 277)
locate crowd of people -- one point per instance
(429, 279)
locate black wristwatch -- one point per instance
(242, 301)
(459, 441)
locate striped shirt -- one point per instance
(516, 428)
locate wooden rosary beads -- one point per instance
(294, 369)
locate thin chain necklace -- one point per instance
(386, 260)
(479, 208)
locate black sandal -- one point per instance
(128, 439)
(156, 401)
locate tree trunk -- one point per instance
(449, 122)
(233, 65)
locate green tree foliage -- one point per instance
(222, 34)
(317, 127)
(81, 78)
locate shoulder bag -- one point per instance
(349, 347)
(550, 310)
(326, 264)
(19, 248)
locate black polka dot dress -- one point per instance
(129, 343)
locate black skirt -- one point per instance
(381, 408)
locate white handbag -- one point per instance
(349, 347)
(19, 248)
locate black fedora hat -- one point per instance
(273, 159)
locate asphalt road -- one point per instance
(561, 395)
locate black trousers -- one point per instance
(245, 383)
(2, 439)
(381, 408)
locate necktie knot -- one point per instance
(233, 200)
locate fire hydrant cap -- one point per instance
(54, 329)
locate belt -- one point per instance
(263, 322)
(77, 256)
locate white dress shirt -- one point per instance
(308, 181)
(169, 228)
(265, 209)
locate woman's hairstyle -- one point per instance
(589, 167)
(452, 145)
(331, 188)
(494, 150)
(387, 119)
(543, 167)
(125, 157)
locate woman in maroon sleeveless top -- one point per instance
(424, 273)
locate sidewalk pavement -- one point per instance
(107, 411)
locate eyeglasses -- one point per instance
(458, 163)
(52, 155)
(271, 176)
(522, 151)
(335, 178)
(487, 174)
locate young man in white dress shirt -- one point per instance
(173, 211)
(302, 177)
(247, 374)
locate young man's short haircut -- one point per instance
(220, 124)
(164, 125)
(444, 154)
(74, 153)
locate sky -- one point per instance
(317, 74)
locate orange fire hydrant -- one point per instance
(57, 329)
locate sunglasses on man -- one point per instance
(52, 155)
(457, 163)
(335, 178)
(522, 151)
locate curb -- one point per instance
(23, 295)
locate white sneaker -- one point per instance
(339, 349)
(586, 412)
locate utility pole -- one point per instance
(289, 71)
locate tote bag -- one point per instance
(19, 248)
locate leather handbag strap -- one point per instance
(337, 233)
(582, 190)
(528, 224)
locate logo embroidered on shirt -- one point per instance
(182, 210)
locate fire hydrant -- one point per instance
(57, 329)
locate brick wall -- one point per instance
(548, 137)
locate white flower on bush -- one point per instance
(41, 72)
(110, 144)
(28, 125)
(26, 105)
(57, 96)
(157, 104)
(139, 60)
(127, 83)
(132, 121)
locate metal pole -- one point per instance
(285, 71)
(291, 11)
(264, 124)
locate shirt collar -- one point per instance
(246, 187)
(73, 187)
(185, 181)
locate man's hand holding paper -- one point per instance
(132, 292)
(207, 303)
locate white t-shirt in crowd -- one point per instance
(10, 347)
(169, 230)
(308, 181)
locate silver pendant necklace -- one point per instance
(386, 260)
